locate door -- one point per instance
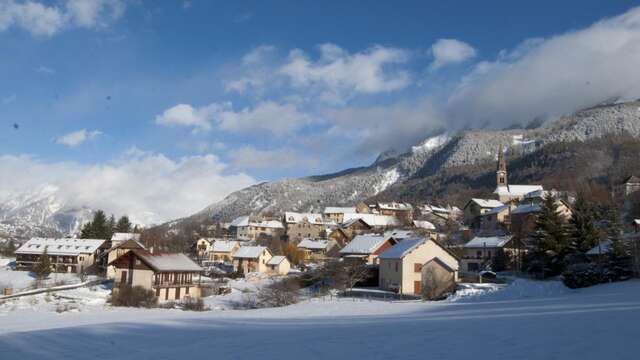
(123, 278)
(177, 293)
(417, 287)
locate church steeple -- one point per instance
(501, 173)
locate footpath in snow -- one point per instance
(524, 320)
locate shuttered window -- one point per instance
(417, 267)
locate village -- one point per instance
(380, 250)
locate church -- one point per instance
(505, 192)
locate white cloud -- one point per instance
(45, 70)
(43, 20)
(186, 115)
(554, 76)
(250, 158)
(150, 187)
(265, 117)
(76, 138)
(450, 51)
(337, 71)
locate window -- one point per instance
(417, 267)
(186, 290)
(158, 292)
(396, 267)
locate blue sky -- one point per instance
(264, 89)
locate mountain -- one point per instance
(40, 213)
(435, 155)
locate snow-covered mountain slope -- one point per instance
(424, 159)
(40, 213)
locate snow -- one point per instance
(399, 250)
(66, 246)
(424, 224)
(240, 221)
(489, 241)
(23, 280)
(339, 210)
(523, 320)
(224, 245)
(363, 244)
(431, 143)
(249, 252)
(487, 203)
(313, 244)
(296, 218)
(373, 219)
(167, 262)
(517, 190)
(526, 208)
(125, 236)
(388, 178)
(276, 260)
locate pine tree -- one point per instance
(552, 241)
(583, 233)
(123, 225)
(43, 266)
(98, 228)
(620, 254)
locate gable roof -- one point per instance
(490, 241)
(399, 234)
(165, 262)
(313, 244)
(441, 263)
(395, 206)
(373, 219)
(485, 203)
(516, 190)
(312, 218)
(249, 252)
(339, 210)
(364, 244)
(62, 246)
(125, 236)
(276, 260)
(424, 224)
(526, 208)
(240, 221)
(223, 245)
(401, 249)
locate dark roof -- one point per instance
(632, 179)
(441, 263)
(164, 262)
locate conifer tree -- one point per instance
(98, 228)
(551, 239)
(583, 233)
(43, 266)
(620, 253)
(123, 225)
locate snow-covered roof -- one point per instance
(273, 224)
(125, 236)
(240, 221)
(363, 244)
(496, 210)
(434, 208)
(276, 260)
(603, 248)
(395, 206)
(401, 249)
(223, 245)
(636, 221)
(424, 224)
(526, 208)
(167, 262)
(399, 234)
(340, 210)
(487, 203)
(63, 247)
(490, 241)
(313, 244)
(296, 218)
(516, 190)
(249, 252)
(374, 219)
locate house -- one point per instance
(630, 185)
(377, 221)
(65, 255)
(119, 248)
(355, 226)
(339, 235)
(496, 219)
(317, 250)
(524, 216)
(246, 228)
(482, 250)
(203, 247)
(251, 259)
(305, 225)
(172, 277)
(603, 248)
(223, 250)
(636, 225)
(279, 265)
(444, 213)
(401, 211)
(119, 237)
(476, 207)
(367, 248)
(506, 192)
(336, 214)
(407, 267)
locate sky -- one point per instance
(159, 108)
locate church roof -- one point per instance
(516, 190)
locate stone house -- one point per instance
(305, 225)
(317, 250)
(336, 214)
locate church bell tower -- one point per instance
(501, 173)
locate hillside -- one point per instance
(439, 167)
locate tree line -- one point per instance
(101, 227)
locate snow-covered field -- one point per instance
(523, 320)
(22, 280)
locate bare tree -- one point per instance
(280, 293)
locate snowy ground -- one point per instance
(22, 280)
(523, 320)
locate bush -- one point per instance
(281, 293)
(135, 296)
(583, 275)
(194, 305)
